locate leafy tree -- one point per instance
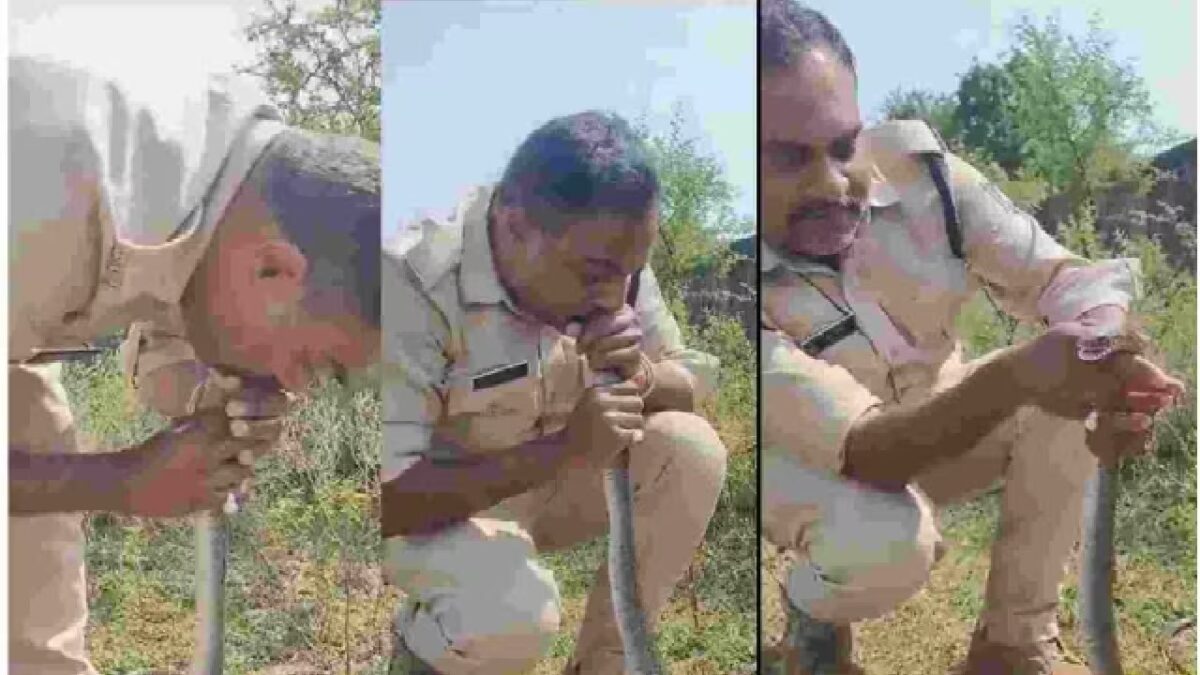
(1085, 119)
(697, 223)
(697, 217)
(322, 67)
(938, 110)
(1057, 114)
(985, 115)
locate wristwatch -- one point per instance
(1100, 347)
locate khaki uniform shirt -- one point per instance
(461, 358)
(905, 287)
(114, 199)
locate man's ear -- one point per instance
(513, 220)
(278, 272)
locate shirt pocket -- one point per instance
(495, 409)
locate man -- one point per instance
(232, 240)
(495, 430)
(871, 419)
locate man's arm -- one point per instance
(820, 413)
(162, 370)
(41, 484)
(1029, 273)
(683, 378)
(888, 449)
(430, 495)
(673, 388)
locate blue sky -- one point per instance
(465, 82)
(938, 38)
(482, 75)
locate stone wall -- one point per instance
(733, 294)
(1167, 212)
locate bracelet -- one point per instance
(648, 369)
(1101, 347)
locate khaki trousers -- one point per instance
(857, 553)
(47, 585)
(479, 600)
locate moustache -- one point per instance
(821, 212)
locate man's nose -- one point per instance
(826, 179)
(607, 298)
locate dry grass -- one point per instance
(928, 635)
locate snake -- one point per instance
(212, 550)
(1095, 604)
(632, 625)
(212, 560)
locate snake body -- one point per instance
(622, 572)
(212, 548)
(1096, 575)
(622, 563)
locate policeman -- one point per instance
(873, 242)
(240, 246)
(495, 435)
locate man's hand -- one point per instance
(1113, 434)
(613, 342)
(1048, 369)
(255, 408)
(605, 421)
(189, 467)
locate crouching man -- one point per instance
(496, 432)
(874, 241)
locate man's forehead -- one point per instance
(609, 227)
(814, 102)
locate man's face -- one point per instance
(286, 341)
(814, 184)
(249, 310)
(585, 268)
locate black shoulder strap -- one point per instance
(937, 169)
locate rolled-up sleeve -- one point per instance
(1031, 275)
(662, 340)
(808, 405)
(413, 387)
(161, 367)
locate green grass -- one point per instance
(930, 632)
(304, 587)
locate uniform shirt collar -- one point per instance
(773, 259)
(147, 262)
(480, 280)
(882, 193)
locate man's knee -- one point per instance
(867, 553)
(477, 595)
(1058, 446)
(47, 599)
(507, 623)
(688, 441)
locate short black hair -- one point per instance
(583, 164)
(323, 191)
(788, 30)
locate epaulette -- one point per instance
(894, 140)
(909, 137)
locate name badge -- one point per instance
(498, 376)
(829, 336)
